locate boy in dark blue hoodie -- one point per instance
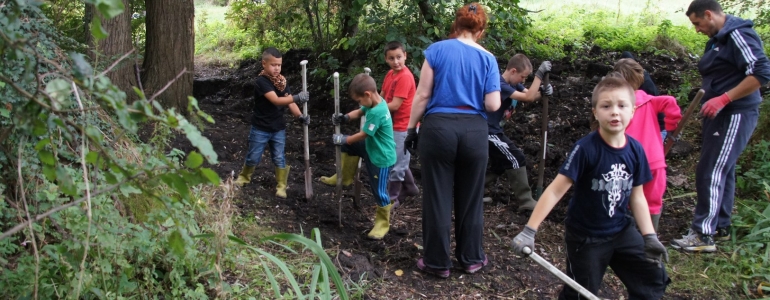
(733, 68)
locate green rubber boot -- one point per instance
(349, 165)
(520, 187)
(281, 176)
(245, 176)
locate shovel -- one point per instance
(357, 178)
(548, 266)
(308, 172)
(338, 149)
(544, 140)
(671, 137)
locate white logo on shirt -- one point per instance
(614, 182)
(371, 127)
(716, 49)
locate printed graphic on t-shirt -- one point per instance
(616, 183)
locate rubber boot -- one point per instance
(245, 176)
(489, 180)
(408, 187)
(381, 223)
(655, 221)
(520, 187)
(281, 176)
(394, 189)
(349, 165)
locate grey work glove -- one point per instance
(410, 142)
(654, 249)
(546, 89)
(545, 67)
(338, 119)
(301, 98)
(339, 139)
(304, 120)
(525, 239)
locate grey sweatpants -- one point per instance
(402, 159)
(724, 138)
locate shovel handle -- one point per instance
(576, 286)
(671, 138)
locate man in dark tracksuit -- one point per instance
(733, 68)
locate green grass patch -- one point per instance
(669, 9)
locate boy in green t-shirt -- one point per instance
(374, 143)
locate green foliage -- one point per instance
(554, 35)
(757, 168)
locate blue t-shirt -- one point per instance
(603, 177)
(462, 75)
(506, 103)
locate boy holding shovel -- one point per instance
(374, 143)
(504, 156)
(271, 97)
(608, 169)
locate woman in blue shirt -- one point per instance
(459, 82)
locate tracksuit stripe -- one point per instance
(716, 174)
(745, 50)
(503, 147)
(383, 187)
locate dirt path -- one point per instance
(226, 95)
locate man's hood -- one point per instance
(732, 23)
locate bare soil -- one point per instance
(227, 94)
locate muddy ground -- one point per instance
(226, 94)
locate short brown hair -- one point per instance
(361, 84)
(611, 83)
(393, 45)
(698, 7)
(470, 17)
(632, 72)
(520, 62)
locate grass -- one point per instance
(214, 13)
(665, 9)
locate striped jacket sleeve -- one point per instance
(750, 55)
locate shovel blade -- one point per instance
(308, 184)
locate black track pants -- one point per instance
(453, 152)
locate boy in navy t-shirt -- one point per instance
(608, 169)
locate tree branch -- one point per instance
(168, 84)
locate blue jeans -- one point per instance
(259, 139)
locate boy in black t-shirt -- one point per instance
(608, 169)
(271, 97)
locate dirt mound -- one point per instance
(227, 96)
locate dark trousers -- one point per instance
(378, 177)
(453, 155)
(504, 155)
(724, 139)
(588, 258)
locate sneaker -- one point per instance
(487, 199)
(442, 273)
(475, 267)
(722, 234)
(695, 242)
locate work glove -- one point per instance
(410, 142)
(712, 107)
(654, 249)
(545, 67)
(301, 98)
(304, 119)
(546, 89)
(339, 118)
(525, 239)
(339, 139)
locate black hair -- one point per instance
(698, 7)
(271, 51)
(393, 45)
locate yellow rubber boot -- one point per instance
(281, 175)
(349, 165)
(245, 176)
(381, 223)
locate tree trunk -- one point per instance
(429, 15)
(117, 43)
(169, 50)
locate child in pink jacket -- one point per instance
(644, 128)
